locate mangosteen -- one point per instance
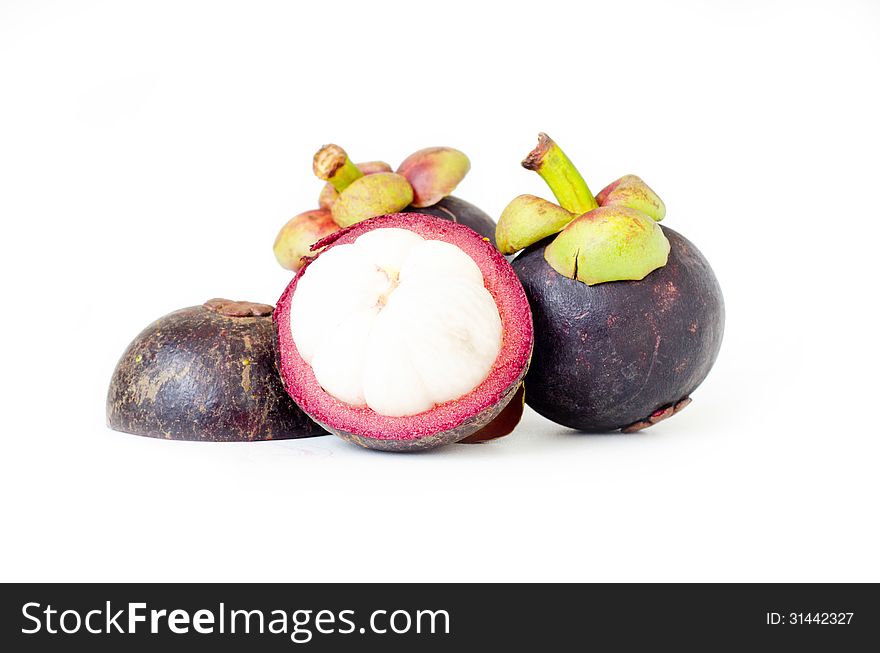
(628, 315)
(355, 192)
(206, 373)
(405, 332)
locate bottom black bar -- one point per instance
(436, 617)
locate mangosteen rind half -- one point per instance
(205, 373)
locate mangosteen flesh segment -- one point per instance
(205, 373)
(611, 355)
(396, 323)
(458, 210)
(405, 332)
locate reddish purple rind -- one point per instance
(445, 423)
(461, 432)
(202, 374)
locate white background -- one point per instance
(150, 151)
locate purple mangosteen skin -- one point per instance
(457, 210)
(610, 355)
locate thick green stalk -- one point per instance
(332, 164)
(555, 168)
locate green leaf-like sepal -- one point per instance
(528, 219)
(611, 243)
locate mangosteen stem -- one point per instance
(332, 164)
(555, 168)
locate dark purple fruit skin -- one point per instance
(197, 374)
(457, 210)
(609, 355)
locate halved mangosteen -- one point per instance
(205, 373)
(405, 332)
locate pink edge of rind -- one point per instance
(516, 348)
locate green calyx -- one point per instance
(611, 243)
(528, 219)
(612, 237)
(361, 191)
(372, 195)
(329, 193)
(432, 173)
(631, 191)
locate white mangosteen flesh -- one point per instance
(396, 322)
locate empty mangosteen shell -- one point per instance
(621, 354)
(206, 373)
(458, 210)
